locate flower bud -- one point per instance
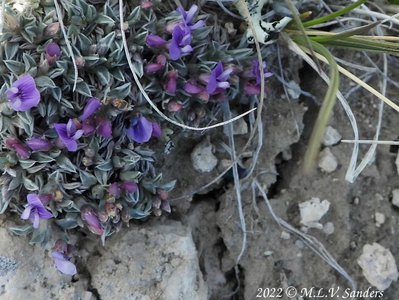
(153, 68)
(129, 186)
(53, 52)
(162, 194)
(114, 190)
(80, 62)
(39, 144)
(52, 29)
(146, 4)
(155, 41)
(90, 217)
(171, 82)
(87, 161)
(21, 150)
(174, 106)
(111, 209)
(92, 105)
(89, 152)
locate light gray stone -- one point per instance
(28, 272)
(312, 211)
(203, 158)
(379, 266)
(150, 262)
(331, 136)
(327, 161)
(395, 197)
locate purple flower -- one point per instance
(35, 209)
(141, 130)
(188, 17)
(156, 130)
(89, 126)
(181, 42)
(129, 186)
(23, 94)
(192, 88)
(251, 89)
(159, 64)
(155, 41)
(92, 105)
(53, 52)
(104, 128)
(90, 217)
(63, 264)
(218, 79)
(170, 84)
(68, 134)
(114, 190)
(256, 71)
(15, 144)
(39, 144)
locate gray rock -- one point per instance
(327, 161)
(395, 197)
(150, 262)
(379, 266)
(240, 127)
(312, 211)
(203, 158)
(331, 136)
(28, 272)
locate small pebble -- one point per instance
(356, 201)
(285, 235)
(328, 228)
(312, 211)
(379, 219)
(202, 157)
(395, 197)
(378, 265)
(327, 161)
(268, 253)
(331, 136)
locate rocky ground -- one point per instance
(191, 253)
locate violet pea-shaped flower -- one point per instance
(256, 71)
(68, 134)
(35, 210)
(180, 44)
(104, 127)
(188, 17)
(140, 129)
(62, 255)
(92, 105)
(114, 190)
(90, 217)
(63, 264)
(155, 41)
(218, 79)
(23, 94)
(39, 144)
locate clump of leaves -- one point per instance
(75, 131)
